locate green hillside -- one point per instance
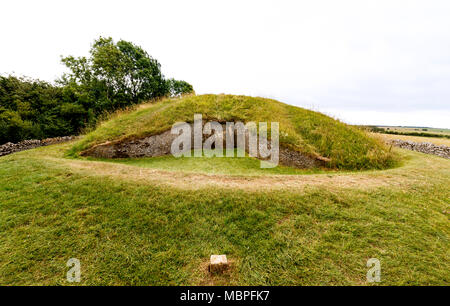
(301, 130)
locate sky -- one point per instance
(363, 62)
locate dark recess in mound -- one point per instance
(160, 145)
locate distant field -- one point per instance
(402, 129)
(434, 140)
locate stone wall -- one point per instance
(424, 147)
(10, 147)
(159, 145)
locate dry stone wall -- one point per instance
(424, 147)
(159, 145)
(9, 147)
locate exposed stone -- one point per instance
(424, 147)
(296, 159)
(156, 145)
(9, 147)
(218, 263)
(160, 144)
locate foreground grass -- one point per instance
(130, 233)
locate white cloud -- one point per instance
(378, 58)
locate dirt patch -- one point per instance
(193, 181)
(417, 171)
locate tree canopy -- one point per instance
(114, 76)
(119, 74)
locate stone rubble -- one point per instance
(9, 147)
(160, 144)
(424, 147)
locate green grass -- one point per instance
(136, 233)
(302, 130)
(242, 166)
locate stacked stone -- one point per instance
(10, 147)
(424, 147)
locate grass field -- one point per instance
(427, 130)
(145, 223)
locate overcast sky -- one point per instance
(364, 62)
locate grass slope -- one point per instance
(300, 129)
(138, 233)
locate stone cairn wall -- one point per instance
(424, 147)
(10, 147)
(159, 145)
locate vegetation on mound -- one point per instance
(302, 130)
(244, 166)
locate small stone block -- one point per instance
(218, 263)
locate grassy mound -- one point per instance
(302, 130)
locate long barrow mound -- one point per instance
(307, 139)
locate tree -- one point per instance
(117, 75)
(114, 76)
(36, 109)
(177, 88)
